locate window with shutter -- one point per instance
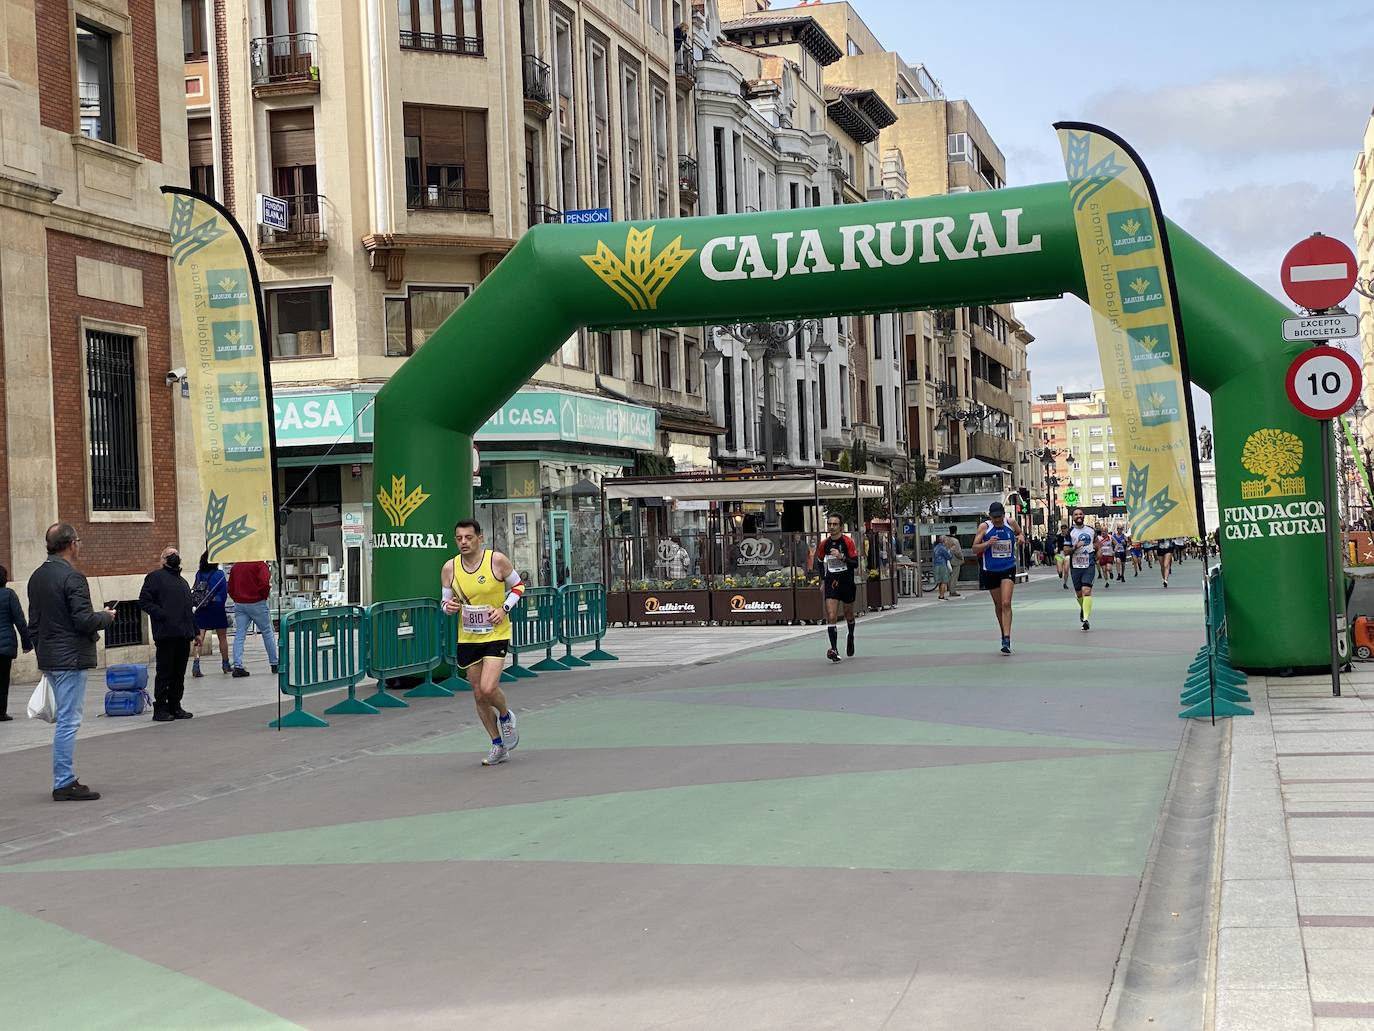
(446, 158)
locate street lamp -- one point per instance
(769, 341)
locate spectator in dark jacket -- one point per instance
(167, 600)
(250, 585)
(65, 630)
(14, 631)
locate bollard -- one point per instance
(323, 650)
(406, 639)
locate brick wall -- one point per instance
(148, 107)
(110, 549)
(6, 532)
(56, 79)
(226, 142)
(53, 37)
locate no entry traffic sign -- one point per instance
(1323, 382)
(1318, 273)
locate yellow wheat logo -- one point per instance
(1130, 227)
(1156, 399)
(640, 278)
(243, 438)
(398, 505)
(233, 336)
(1140, 284)
(1149, 343)
(238, 387)
(228, 283)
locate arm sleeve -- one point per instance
(264, 581)
(221, 588)
(148, 599)
(84, 618)
(515, 588)
(853, 560)
(20, 623)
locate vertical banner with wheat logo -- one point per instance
(226, 371)
(1130, 288)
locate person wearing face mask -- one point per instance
(167, 600)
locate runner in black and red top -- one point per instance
(837, 560)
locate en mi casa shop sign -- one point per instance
(324, 417)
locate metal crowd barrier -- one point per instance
(582, 618)
(407, 639)
(336, 647)
(1214, 687)
(323, 650)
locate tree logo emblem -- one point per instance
(1274, 455)
(399, 505)
(641, 276)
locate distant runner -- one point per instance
(837, 560)
(481, 587)
(1137, 553)
(1060, 543)
(1106, 556)
(995, 545)
(1082, 566)
(1120, 545)
(1164, 548)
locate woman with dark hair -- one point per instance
(14, 631)
(208, 595)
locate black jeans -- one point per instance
(5, 661)
(170, 683)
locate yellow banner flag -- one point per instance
(217, 298)
(1139, 336)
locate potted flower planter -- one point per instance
(669, 606)
(752, 605)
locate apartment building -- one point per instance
(1077, 426)
(91, 125)
(1364, 257)
(413, 144)
(773, 136)
(965, 405)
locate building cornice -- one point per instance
(137, 237)
(26, 196)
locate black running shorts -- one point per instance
(991, 579)
(841, 587)
(471, 654)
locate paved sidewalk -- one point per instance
(1295, 944)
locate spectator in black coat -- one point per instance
(167, 600)
(14, 631)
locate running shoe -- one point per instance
(498, 754)
(1066, 585)
(1166, 583)
(1006, 646)
(1085, 625)
(510, 733)
(832, 655)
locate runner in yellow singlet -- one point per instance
(480, 587)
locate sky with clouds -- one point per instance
(1249, 116)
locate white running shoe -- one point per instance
(510, 733)
(498, 754)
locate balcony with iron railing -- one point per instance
(685, 67)
(285, 64)
(433, 42)
(538, 85)
(304, 234)
(543, 214)
(448, 198)
(687, 179)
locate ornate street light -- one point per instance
(769, 340)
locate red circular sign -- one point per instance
(1318, 273)
(1323, 382)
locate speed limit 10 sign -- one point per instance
(1323, 382)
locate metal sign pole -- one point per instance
(1331, 537)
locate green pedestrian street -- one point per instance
(928, 835)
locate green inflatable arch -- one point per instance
(947, 251)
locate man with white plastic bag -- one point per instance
(65, 629)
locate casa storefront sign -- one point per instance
(345, 416)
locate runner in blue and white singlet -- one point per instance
(995, 545)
